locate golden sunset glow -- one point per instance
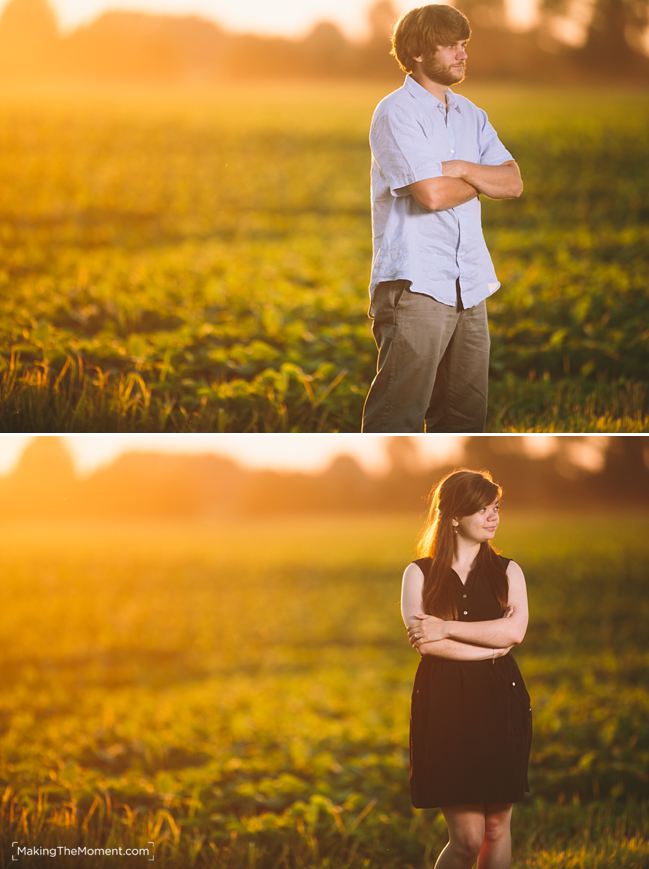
(277, 451)
(309, 453)
(282, 16)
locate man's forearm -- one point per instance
(453, 191)
(493, 633)
(458, 651)
(441, 193)
(497, 182)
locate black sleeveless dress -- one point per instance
(470, 721)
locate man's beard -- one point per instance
(442, 74)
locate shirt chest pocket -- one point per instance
(467, 145)
(452, 140)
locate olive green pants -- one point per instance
(433, 364)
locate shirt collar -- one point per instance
(420, 93)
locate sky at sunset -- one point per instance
(281, 16)
(303, 452)
(306, 452)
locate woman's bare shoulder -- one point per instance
(414, 570)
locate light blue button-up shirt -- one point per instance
(411, 134)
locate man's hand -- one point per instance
(426, 629)
(455, 168)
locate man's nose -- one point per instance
(462, 55)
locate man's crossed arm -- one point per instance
(462, 180)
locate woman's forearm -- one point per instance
(494, 632)
(458, 651)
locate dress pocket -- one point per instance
(521, 693)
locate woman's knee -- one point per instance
(497, 823)
(467, 843)
(465, 829)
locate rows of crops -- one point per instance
(240, 694)
(198, 261)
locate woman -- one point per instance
(471, 720)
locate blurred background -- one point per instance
(207, 478)
(203, 646)
(537, 40)
(185, 230)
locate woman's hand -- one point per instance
(426, 629)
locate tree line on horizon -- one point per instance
(136, 46)
(146, 485)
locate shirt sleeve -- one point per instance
(402, 150)
(492, 150)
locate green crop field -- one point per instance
(239, 693)
(198, 261)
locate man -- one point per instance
(433, 153)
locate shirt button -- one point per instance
(452, 150)
(514, 683)
(463, 595)
(466, 612)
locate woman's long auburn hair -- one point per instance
(460, 493)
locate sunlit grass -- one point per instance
(239, 692)
(198, 261)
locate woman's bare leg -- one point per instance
(466, 831)
(496, 850)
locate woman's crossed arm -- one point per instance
(452, 649)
